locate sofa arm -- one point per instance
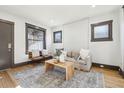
(85, 64)
(86, 60)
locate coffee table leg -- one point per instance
(67, 77)
(69, 72)
(48, 67)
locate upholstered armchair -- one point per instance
(84, 60)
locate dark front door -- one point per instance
(6, 30)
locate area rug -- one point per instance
(37, 78)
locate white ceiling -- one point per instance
(54, 15)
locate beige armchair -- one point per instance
(84, 60)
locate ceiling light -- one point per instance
(93, 6)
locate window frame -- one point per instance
(109, 38)
(27, 25)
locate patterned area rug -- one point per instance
(36, 78)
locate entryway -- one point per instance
(6, 44)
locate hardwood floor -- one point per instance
(112, 79)
(6, 81)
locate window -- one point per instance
(35, 38)
(101, 31)
(57, 36)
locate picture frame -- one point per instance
(101, 31)
(57, 36)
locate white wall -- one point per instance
(122, 37)
(77, 35)
(19, 35)
(107, 52)
(74, 36)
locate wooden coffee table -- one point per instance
(68, 66)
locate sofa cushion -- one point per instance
(75, 55)
(35, 53)
(70, 59)
(69, 54)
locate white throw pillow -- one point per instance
(35, 53)
(45, 52)
(84, 53)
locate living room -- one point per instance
(68, 33)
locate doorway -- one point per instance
(6, 44)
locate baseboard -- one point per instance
(21, 64)
(106, 66)
(121, 72)
(25, 63)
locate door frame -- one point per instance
(12, 42)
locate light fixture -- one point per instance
(93, 6)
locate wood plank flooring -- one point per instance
(112, 79)
(6, 81)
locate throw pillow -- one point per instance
(84, 53)
(45, 52)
